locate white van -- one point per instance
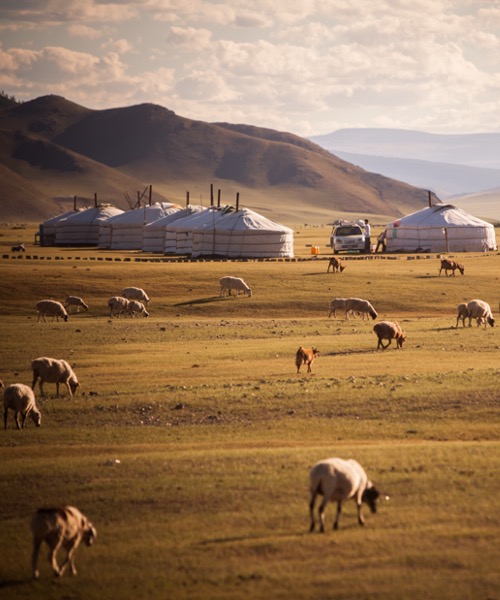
(347, 236)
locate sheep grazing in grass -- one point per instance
(450, 265)
(135, 307)
(389, 330)
(233, 283)
(52, 370)
(305, 356)
(463, 314)
(337, 480)
(335, 264)
(57, 527)
(21, 399)
(481, 311)
(74, 302)
(51, 308)
(135, 293)
(337, 304)
(117, 305)
(357, 305)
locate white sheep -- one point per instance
(463, 313)
(481, 311)
(52, 370)
(134, 293)
(117, 305)
(60, 527)
(52, 308)
(358, 305)
(229, 283)
(21, 399)
(337, 480)
(389, 330)
(135, 307)
(75, 302)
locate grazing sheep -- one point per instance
(357, 305)
(52, 308)
(117, 305)
(337, 480)
(75, 302)
(388, 330)
(233, 283)
(51, 370)
(463, 313)
(135, 307)
(305, 356)
(337, 304)
(335, 264)
(481, 311)
(57, 527)
(18, 248)
(134, 293)
(21, 399)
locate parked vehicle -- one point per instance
(347, 236)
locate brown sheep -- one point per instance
(388, 330)
(335, 264)
(450, 265)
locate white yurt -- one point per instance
(126, 230)
(47, 229)
(82, 228)
(243, 234)
(440, 228)
(179, 234)
(154, 233)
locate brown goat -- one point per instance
(450, 265)
(305, 356)
(335, 264)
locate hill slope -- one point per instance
(59, 148)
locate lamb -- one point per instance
(450, 265)
(51, 370)
(335, 264)
(337, 479)
(117, 305)
(357, 305)
(388, 330)
(76, 302)
(463, 313)
(52, 308)
(134, 306)
(21, 399)
(134, 293)
(305, 356)
(57, 527)
(481, 311)
(18, 248)
(234, 283)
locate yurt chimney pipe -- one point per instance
(95, 199)
(187, 199)
(211, 194)
(237, 201)
(430, 199)
(218, 198)
(150, 193)
(74, 203)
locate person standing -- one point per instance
(367, 237)
(381, 243)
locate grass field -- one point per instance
(190, 440)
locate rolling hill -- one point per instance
(51, 147)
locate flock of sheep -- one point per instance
(335, 479)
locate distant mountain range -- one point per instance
(464, 169)
(52, 149)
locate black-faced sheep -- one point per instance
(305, 356)
(135, 293)
(75, 302)
(337, 480)
(233, 283)
(481, 311)
(450, 265)
(57, 527)
(21, 399)
(52, 370)
(52, 308)
(358, 305)
(389, 330)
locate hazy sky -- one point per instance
(305, 66)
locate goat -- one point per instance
(450, 265)
(335, 264)
(305, 356)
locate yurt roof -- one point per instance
(440, 215)
(143, 215)
(60, 217)
(207, 215)
(94, 214)
(248, 220)
(173, 214)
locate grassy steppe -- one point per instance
(215, 432)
